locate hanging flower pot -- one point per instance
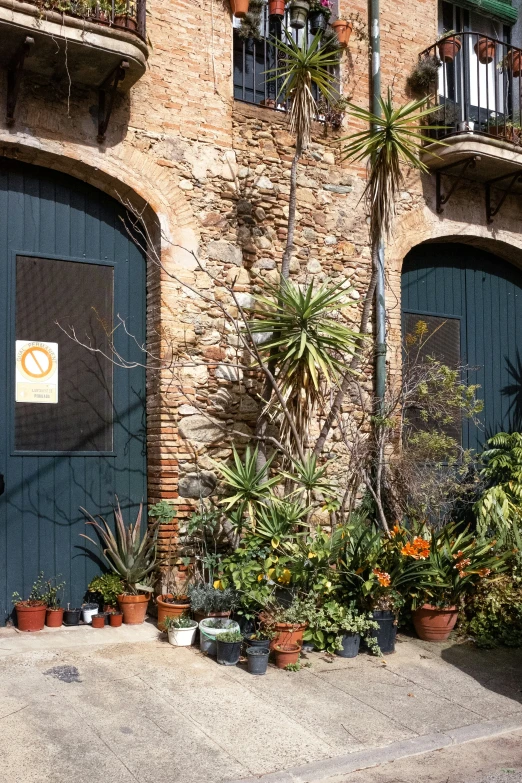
(318, 21)
(299, 13)
(485, 50)
(514, 61)
(276, 7)
(343, 31)
(239, 8)
(433, 623)
(449, 48)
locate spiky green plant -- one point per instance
(387, 143)
(277, 521)
(246, 486)
(307, 344)
(128, 554)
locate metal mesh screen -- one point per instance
(73, 294)
(441, 342)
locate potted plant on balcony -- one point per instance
(343, 30)
(485, 49)
(449, 46)
(276, 8)
(457, 563)
(299, 13)
(423, 78)
(319, 15)
(30, 612)
(125, 14)
(132, 557)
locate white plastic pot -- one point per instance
(87, 612)
(208, 645)
(182, 637)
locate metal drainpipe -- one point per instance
(380, 300)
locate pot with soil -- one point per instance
(435, 623)
(350, 648)
(229, 648)
(98, 620)
(343, 31)
(386, 633)
(54, 617)
(71, 616)
(134, 608)
(257, 660)
(210, 629)
(88, 610)
(298, 14)
(169, 606)
(115, 619)
(30, 615)
(449, 48)
(286, 653)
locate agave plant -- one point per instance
(246, 486)
(311, 478)
(129, 554)
(306, 344)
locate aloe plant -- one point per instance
(128, 554)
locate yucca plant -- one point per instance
(311, 478)
(306, 344)
(246, 486)
(128, 554)
(279, 519)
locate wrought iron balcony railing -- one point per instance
(478, 87)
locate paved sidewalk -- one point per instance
(121, 705)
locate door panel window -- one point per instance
(51, 294)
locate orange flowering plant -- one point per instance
(458, 562)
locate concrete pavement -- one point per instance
(121, 705)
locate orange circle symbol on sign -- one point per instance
(37, 362)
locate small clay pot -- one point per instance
(54, 618)
(116, 619)
(343, 31)
(485, 50)
(98, 620)
(449, 48)
(286, 653)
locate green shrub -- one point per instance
(230, 636)
(493, 616)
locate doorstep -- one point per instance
(14, 642)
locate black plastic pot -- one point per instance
(71, 616)
(318, 21)
(387, 631)
(258, 644)
(228, 652)
(257, 660)
(350, 648)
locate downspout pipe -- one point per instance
(378, 252)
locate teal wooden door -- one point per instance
(66, 262)
(481, 295)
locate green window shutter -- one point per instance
(501, 10)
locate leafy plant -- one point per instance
(230, 636)
(177, 623)
(162, 512)
(251, 23)
(206, 599)
(128, 554)
(311, 478)
(53, 592)
(493, 615)
(109, 586)
(300, 610)
(323, 6)
(297, 666)
(246, 485)
(333, 620)
(423, 78)
(39, 593)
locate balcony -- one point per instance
(99, 44)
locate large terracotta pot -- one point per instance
(239, 8)
(54, 618)
(485, 50)
(449, 48)
(134, 608)
(433, 623)
(343, 31)
(30, 618)
(166, 609)
(514, 61)
(286, 653)
(285, 633)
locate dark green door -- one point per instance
(72, 423)
(480, 297)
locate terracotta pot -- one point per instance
(286, 633)
(343, 31)
(134, 608)
(485, 50)
(54, 618)
(115, 619)
(165, 609)
(239, 8)
(433, 623)
(98, 620)
(286, 653)
(30, 618)
(514, 61)
(109, 608)
(448, 48)
(199, 616)
(276, 7)
(128, 22)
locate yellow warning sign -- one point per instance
(36, 371)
